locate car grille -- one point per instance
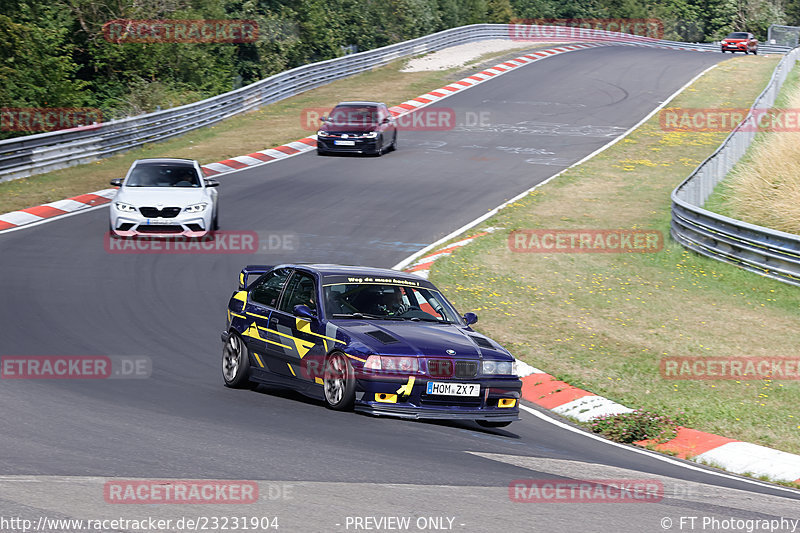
(461, 401)
(466, 369)
(440, 368)
(159, 228)
(154, 212)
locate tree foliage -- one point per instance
(54, 54)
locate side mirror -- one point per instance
(387, 120)
(304, 312)
(323, 119)
(470, 318)
(116, 182)
(211, 182)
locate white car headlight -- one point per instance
(196, 208)
(498, 367)
(125, 208)
(322, 133)
(371, 135)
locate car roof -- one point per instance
(162, 160)
(333, 270)
(361, 103)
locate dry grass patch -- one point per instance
(765, 190)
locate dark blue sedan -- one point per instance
(374, 340)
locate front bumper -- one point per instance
(381, 397)
(184, 225)
(737, 47)
(360, 146)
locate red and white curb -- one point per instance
(264, 156)
(54, 209)
(562, 398)
(16, 219)
(423, 265)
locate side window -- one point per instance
(269, 287)
(300, 290)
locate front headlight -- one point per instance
(196, 208)
(125, 208)
(392, 364)
(322, 133)
(498, 367)
(371, 135)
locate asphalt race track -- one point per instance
(64, 294)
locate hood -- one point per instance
(165, 196)
(349, 128)
(385, 337)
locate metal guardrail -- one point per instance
(36, 154)
(768, 252)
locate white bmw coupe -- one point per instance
(164, 197)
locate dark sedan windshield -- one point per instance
(385, 301)
(163, 175)
(354, 115)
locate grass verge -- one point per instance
(272, 125)
(603, 321)
(764, 187)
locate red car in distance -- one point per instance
(740, 41)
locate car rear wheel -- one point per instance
(490, 424)
(235, 363)
(339, 382)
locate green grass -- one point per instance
(267, 127)
(602, 321)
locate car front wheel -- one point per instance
(339, 382)
(235, 363)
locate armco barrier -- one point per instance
(767, 252)
(35, 154)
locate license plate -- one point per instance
(344, 143)
(453, 389)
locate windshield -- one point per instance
(163, 175)
(737, 35)
(354, 115)
(389, 302)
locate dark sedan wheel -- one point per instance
(379, 146)
(339, 382)
(235, 363)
